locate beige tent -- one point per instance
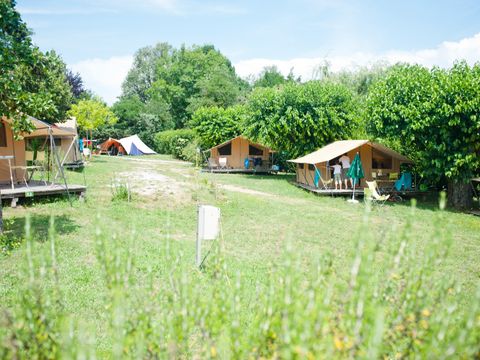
(377, 160)
(13, 151)
(236, 150)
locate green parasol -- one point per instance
(355, 173)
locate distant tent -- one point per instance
(112, 147)
(134, 146)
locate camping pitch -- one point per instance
(134, 146)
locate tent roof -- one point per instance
(42, 129)
(109, 142)
(337, 148)
(127, 143)
(243, 137)
(476, 179)
(68, 125)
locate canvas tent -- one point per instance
(376, 158)
(134, 146)
(13, 158)
(16, 148)
(112, 147)
(68, 144)
(238, 149)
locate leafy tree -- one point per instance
(195, 77)
(214, 125)
(92, 114)
(144, 119)
(76, 84)
(271, 77)
(144, 70)
(31, 82)
(300, 118)
(435, 115)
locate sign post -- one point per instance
(208, 228)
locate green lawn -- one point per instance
(151, 241)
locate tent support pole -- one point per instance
(57, 160)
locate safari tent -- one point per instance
(240, 155)
(112, 147)
(378, 161)
(16, 156)
(134, 146)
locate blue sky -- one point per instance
(98, 38)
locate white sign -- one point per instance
(208, 222)
(208, 227)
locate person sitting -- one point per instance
(337, 175)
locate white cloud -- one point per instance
(443, 55)
(104, 76)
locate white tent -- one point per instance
(134, 146)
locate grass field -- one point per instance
(295, 275)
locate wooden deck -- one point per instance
(38, 188)
(238, 171)
(358, 191)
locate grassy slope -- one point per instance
(254, 227)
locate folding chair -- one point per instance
(212, 163)
(373, 195)
(222, 162)
(318, 178)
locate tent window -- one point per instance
(253, 150)
(300, 166)
(381, 160)
(57, 141)
(311, 167)
(225, 149)
(3, 135)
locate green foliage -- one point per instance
(91, 114)
(434, 114)
(214, 125)
(270, 77)
(120, 190)
(31, 83)
(174, 141)
(403, 310)
(185, 79)
(300, 118)
(137, 117)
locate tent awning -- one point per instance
(338, 148)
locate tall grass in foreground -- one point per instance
(404, 308)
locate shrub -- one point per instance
(120, 190)
(214, 125)
(173, 141)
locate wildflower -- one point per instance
(213, 351)
(426, 312)
(338, 343)
(424, 324)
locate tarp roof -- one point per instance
(42, 129)
(134, 146)
(243, 137)
(68, 125)
(337, 148)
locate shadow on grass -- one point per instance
(14, 230)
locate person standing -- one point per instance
(337, 175)
(345, 160)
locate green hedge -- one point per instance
(174, 142)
